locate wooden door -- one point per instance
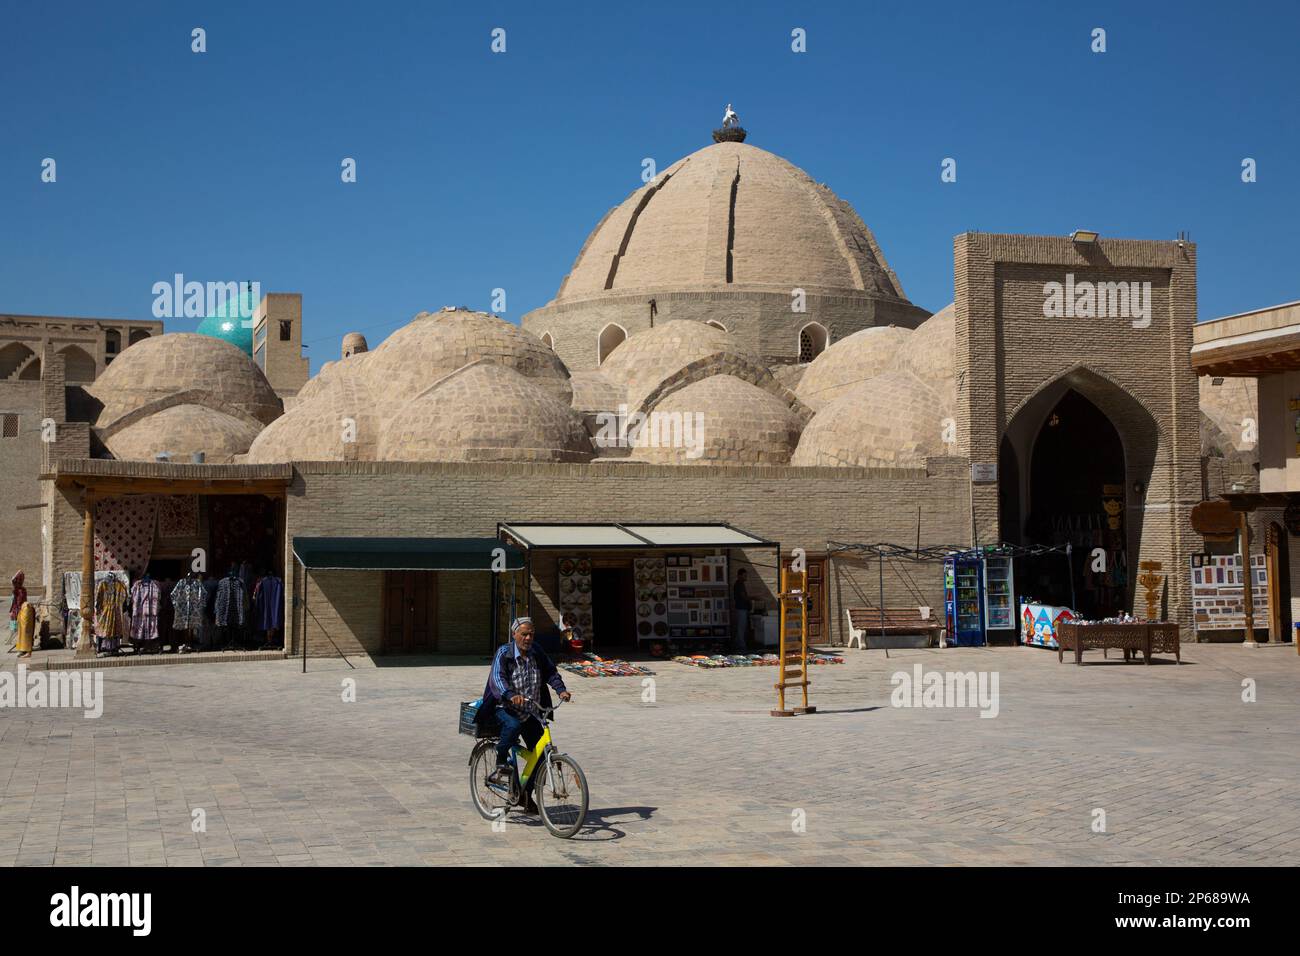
(816, 596)
(1278, 591)
(410, 612)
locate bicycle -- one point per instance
(560, 789)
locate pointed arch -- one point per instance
(78, 365)
(548, 340)
(812, 341)
(13, 357)
(611, 337)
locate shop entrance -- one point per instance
(410, 612)
(1075, 495)
(613, 612)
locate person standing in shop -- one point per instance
(741, 605)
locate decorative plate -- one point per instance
(566, 566)
(584, 566)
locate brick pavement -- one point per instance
(289, 774)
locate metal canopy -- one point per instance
(539, 535)
(405, 554)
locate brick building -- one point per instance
(749, 315)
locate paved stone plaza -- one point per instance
(290, 774)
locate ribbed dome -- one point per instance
(892, 421)
(486, 412)
(930, 352)
(435, 344)
(730, 215)
(675, 350)
(723, 421)
(850, 361)
(164, 365)
(182, 430)
(340, 411)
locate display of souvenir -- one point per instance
(661, 628)
(566, 566)
(644, 628)
(584, 585)
(566, 585)
(660, 609)
(584, 566)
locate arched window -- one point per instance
(611, 336)
(112, 345)
(138, 335)
(812, 341)
(31, 372)
(78, 366)
(12, 357)
(548, 341)
(716, 324)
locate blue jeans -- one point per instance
(512, 728)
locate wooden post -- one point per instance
(1247, 594)
(85, 645)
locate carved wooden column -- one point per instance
(1247, 594)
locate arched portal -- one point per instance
(548, 341)
(1067, 484)
(611, 336)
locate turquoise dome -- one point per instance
(227, 324)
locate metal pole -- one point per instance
(881, 563)
(304, 615)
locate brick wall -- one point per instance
(1008, 354)
(799, 507)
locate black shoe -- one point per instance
(530, 807)
(500, 776)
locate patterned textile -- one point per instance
(241, 528)
(145, 598)
(178, 516)
(189, 599)
(124, 530)
(231, 606)
(111, 623)
(72, 599)
(268, 604)
(26, 628)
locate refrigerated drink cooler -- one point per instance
(979, 598)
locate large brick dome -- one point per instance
(726, 235)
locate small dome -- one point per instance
(1230, 408)
(436, 344)
(930, 352)
(340, 411)
(672, 350)
(354, 343)
(232, 321)
(594, 392)
(719, 420)
(891, 421)
(850, 361)
(164, 365)
(486, 412)
(181, 430)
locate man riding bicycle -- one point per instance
(520, 672)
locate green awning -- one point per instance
(406, 554)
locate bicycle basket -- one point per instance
(469, 723)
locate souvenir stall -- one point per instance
(643, 585)
(1038, 623)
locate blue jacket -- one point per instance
(499, 678)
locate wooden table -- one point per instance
(1155, 637)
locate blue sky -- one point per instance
(479, 170)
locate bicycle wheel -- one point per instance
(562, 797)
(489, 801)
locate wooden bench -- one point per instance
(865, 621)
(1132, 639)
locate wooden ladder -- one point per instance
(794, 642)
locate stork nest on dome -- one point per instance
(729, 134)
